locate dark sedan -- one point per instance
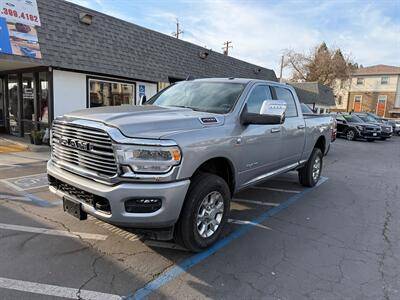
(386, 129)
(352, 127)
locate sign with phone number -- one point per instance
(20, 11)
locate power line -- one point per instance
(226, 47)
(178, 30)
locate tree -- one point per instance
(321, 65)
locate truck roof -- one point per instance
(236, 80)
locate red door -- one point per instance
(381, 106)
(357, 103)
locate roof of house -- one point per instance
(115, 47)
(378, 70)
(314, 93)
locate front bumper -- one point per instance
(386, 134)
(171, 194)
(369, 135)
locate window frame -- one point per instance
(386, 82)
(362, 79)
(112, 81)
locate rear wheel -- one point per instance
(350, 135)
(311, 172)
(204, 213)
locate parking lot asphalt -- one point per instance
(340, 240)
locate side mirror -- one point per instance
(271, 112)
(142, 100)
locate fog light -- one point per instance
(142, 205)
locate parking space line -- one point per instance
(83, 235)
(255, 202)
(244, 222)
(26, 197)
(275, 189)
(54, 290)
(188, 263)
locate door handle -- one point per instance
(276, 129)
(301, 126)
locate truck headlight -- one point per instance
(148, 159)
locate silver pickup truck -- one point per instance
(172, 164)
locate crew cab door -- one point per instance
(257, 146)
(293, 129)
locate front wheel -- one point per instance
(350, 135)
(311, 172)
(204, 213)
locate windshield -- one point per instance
(353, 119)
(367, 119)
(214, 97)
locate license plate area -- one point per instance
(374, 134)
(74, 208)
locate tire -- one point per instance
(383, 139)
(307, 177)
(204, 187)
(370, 140)
(350, 135)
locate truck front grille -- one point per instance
(87, 148)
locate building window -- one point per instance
(340, 100)
(382, 98)
(360, 81)
(384, 79)
(110, 93)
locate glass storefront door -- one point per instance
(13, 107)
(29, 117)
(25, 104)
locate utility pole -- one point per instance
(281, 71)
(178, 30)
(226, 47)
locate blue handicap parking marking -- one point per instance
(190, 262)
(28, 182)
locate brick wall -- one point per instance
(370, 99)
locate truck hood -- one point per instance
(149, 121)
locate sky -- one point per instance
(261, 31)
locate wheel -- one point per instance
(350, 135)
(204, 213)
(311, 172)
(370, 140)
(383, 139)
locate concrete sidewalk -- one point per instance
(10, 144)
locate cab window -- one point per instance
(258, 95)
(286, 95)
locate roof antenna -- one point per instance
(189, 78)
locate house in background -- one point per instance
(375, 89)
(317, 96)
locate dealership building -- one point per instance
(68, 57)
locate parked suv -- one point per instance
(173, 164)
(386, 129)
(352, 127)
